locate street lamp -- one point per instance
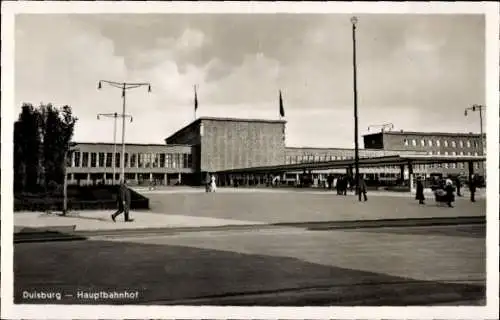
(115, 116)
(479, 108)
(124, 86)
(354, 21)
(383, 126)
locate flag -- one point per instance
(282, 109)
(195, 99)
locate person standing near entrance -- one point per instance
(420, 191)
(472, 188)
(213, 184)
(458, 184)
(362, 188)
(207, 183)
(124, 200)
(450, 197)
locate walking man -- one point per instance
(420, 191)
(124, 200)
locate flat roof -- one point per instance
(422, 133)
(222, 119)
(133, 144)
(363, 162)
(352, 149)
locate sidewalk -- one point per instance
(100, 220)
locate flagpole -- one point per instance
(195, 102)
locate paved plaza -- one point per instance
(194, 208)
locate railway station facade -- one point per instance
(216, 145)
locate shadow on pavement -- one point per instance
(162, 274)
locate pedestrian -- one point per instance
(124, 200)
(450, 197)
(362, 188)
(207, 183)
(213, 185)
(420, 191)
(458, 184)
(472, 188)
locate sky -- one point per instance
(418, 72)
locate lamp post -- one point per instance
(383, 126)
(124, 86)
(114, 115)
(67, 162)
(479, 108)
(354, 21)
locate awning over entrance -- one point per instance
(363, 162)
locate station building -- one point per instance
(212, 145)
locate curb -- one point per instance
(46, 235)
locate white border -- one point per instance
(10, 311)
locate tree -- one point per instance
(42, 139)
(27, 144)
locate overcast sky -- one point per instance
(418, 72)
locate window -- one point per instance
(469, 153)
(297, 159)
(85, 159)
(156, 161)
(422, 143)
(438, 143)
(414, 142)
(461, 165)
(147, 160)
(76, 160)
(168, 160)
(175, 160)
(446, 143)
(461, 143)
(475, 154)
(126, 160)
(446, 153)
(162, 160)
(429, 153)
(133, 160)
(186, 160)
(453, 144)
(101, 159)
(468, 143)
(405, 141)
(118, 159)
(430, 143)
(475, 144)
(461, 153)
(190, 161)
(476, 164)
(454, 153)
(109, 159)
(316, 158)
(140, 160)
(438, 152)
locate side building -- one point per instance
(433, 143)
(144, 163)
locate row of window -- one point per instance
(134, 160)
(454, 153)
(314, 158)
(446, 144)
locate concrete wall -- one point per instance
(230, 144)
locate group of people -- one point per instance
(445, 190)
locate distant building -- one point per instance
(432, 143)
(209, 145)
